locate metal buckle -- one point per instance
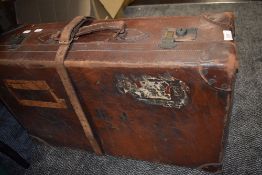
(66, 42)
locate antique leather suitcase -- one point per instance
(156, 89)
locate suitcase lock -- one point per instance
(173, 35)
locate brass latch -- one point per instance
(16, 40)
(173, 35)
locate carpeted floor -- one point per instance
(244, 148)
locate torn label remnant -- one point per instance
(163, 90)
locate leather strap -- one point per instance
(73, 29)
(62, 72)
(68, 32)
(67, 36)
(119, 26)
(65, 40)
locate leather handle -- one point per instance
(69, 31)
(118, 26)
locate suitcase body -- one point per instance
(159, 89)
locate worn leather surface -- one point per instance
(179, 116)
(243, 154)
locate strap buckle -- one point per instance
(66, 42)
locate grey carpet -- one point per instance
(244, 148)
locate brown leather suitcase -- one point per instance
(156, 89)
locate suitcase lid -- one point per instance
(190, 41)
(151, 33)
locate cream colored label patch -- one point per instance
(163, 90)
(27, 31)
(38, 30)
(227, 35)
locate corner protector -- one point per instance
(216, 78)
(214, 168)
(225, 20)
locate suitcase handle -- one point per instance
(118, 26)
(74, 30)
(68, 33)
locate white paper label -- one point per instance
(227, 35)
(38, 30)
(27, 31)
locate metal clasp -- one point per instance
(173, 35)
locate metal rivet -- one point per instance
(224, 86)
(181, 31)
